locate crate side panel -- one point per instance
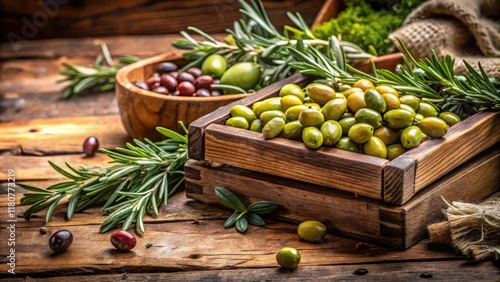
(329, 167)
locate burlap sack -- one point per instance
(465, 29)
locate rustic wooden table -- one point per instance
(188, 240)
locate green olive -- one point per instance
(387, 134)
(410, 100)
(292, 89)
(364, 84)
(346, 144)
(311, 117)
(292, 130)
(312, 105)
(398, 118)
(352, 90)
(370, 116)
(288, 257)
(375, 101)
(312, 137)
(334, 109)
(346, 124)
(266, 116)
(356, 101)
(214, 65)
(269, 104)
(411, 137)
(243, 74)
(256, 126)
(293, 112)
(331, 131)
(417, 119)
(409, 109)
(273, 128)
(289, 101)
(320, 93)
(239, 122)
(383, 89)
(433, 127)
(391, 101)
(360, 132)
(243, 111)
(394, 151)
(311, 231)
(427, 110)
(450, 118)
(375, 147)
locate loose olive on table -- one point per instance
(288, 257)
(60, 241)
(311, 231)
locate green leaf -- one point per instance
(53, 206)
(232, 219)
(171, 134)
(229, 199)
(229, 88)
(65, 173)
(255, 219)
(242, 225)
(262, 207)
(84, 84)
(34, 189)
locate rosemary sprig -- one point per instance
(141, 180)
(243, 216)
(432, 80)
(254, 38)
(100, 77)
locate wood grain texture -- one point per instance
(463, 141)
(441, 270)
(375, 221)
(197, 127)
(180, 243)
(142, 111)
(328, 167)
(136, 17)
(60, 135)
(399, 180)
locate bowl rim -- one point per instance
(124, 82)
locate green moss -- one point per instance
(368, 23)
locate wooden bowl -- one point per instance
(330, 9)
(142, 111)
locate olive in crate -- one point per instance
(363, 118)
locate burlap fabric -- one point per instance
(465, 29)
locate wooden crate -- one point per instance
(358, 217)
(393, 182)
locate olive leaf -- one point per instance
(242, 216)
(229, 199)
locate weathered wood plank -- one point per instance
(97, 18)
(61, 135)
(368, 219)
(185, 246)
(293, 160)
(441, 270)
(462, 142)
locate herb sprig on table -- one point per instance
(97, 78)
(141, 180)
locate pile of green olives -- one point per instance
(362, 118)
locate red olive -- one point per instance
(166, 67)
(90, 146)
(185, 76)
(60, 241)
(169, 82)
(153, 82)
(203, 81)
(194, 71)
(123, 240)
(141, 84)
(202, 93)
(174, 74)
(186, 88)
(215, 93)
(161, 90)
